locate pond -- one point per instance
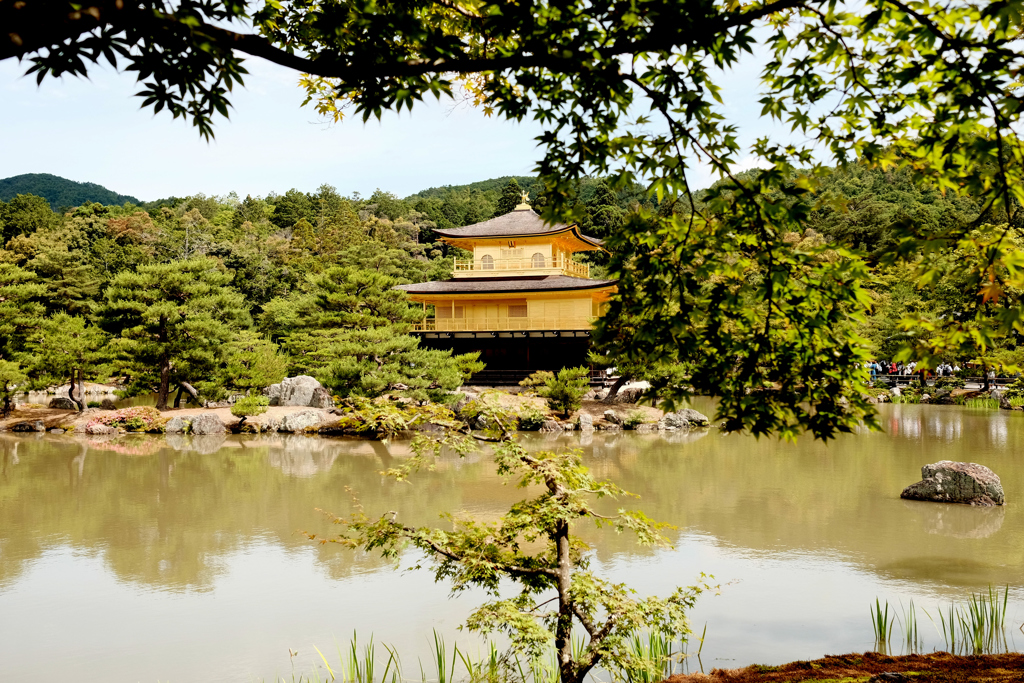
(145, 559)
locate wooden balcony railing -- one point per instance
(504, 324)
(502, 265)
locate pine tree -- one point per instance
(511, 196)
(21, 309)
(11, 377)
(174, 319)
(71, 283)
(66, 347)
(252, 362)
(354, 338)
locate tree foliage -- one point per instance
(565, 389)
(174, 320)
(535, 546)
(66, 347)
(351, 333)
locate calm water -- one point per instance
(140, 559)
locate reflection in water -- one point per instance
(958, 521)
(206, 531)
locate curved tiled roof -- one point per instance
(490, 285)
(519, 223)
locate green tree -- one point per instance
(67, 347)
(173, 319)
(352, 335)
(252, 363)
(511, 196)
(290, 208)
(21, 309)
(11, 379)
(72, 283)
(534, 546)
(252, 211)
(23, 215)
(566, 389)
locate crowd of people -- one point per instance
(893, 368)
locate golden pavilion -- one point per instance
(521, 300)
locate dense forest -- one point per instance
(60, 192)
(212, 295)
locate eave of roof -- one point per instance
(550, 283)
(516, 225)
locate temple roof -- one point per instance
(491, 285)
(523, 222)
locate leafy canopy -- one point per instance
(535, 546)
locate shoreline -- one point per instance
(311, 421)
(869, 667)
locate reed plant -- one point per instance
(651, 657)
(982, 403)
(911, 634)
(976, 627)
(882, 623)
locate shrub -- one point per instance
(634, 418)
(247, 406)
(1015, 390)
(532, 384)
(531, 418)
(93, 404)
(565, 391)
(949, 383)
(136, 419)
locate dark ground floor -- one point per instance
(510, 359)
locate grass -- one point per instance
(982, 403)
(881, 623)
(911, 635)
(976, 627)
(650, 658)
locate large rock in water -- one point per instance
(695, 418)
(296, 391)
(957, 482)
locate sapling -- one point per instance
(533, 545)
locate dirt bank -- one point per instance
(62, 419)
(938, 667)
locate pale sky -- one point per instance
(93, 130)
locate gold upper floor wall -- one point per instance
(521, 257)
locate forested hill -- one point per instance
(493, 186)
(60, 192)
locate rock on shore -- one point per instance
(300, 391)
(957, 482)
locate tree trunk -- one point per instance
(71, 391)
(192, 392)
(165, 384)
(177, 397)
(984, 372)
(921, 379)
(563, 629)
(614, 391)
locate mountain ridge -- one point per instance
(60, 192)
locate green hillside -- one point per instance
(493, 186)
(60, 192)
